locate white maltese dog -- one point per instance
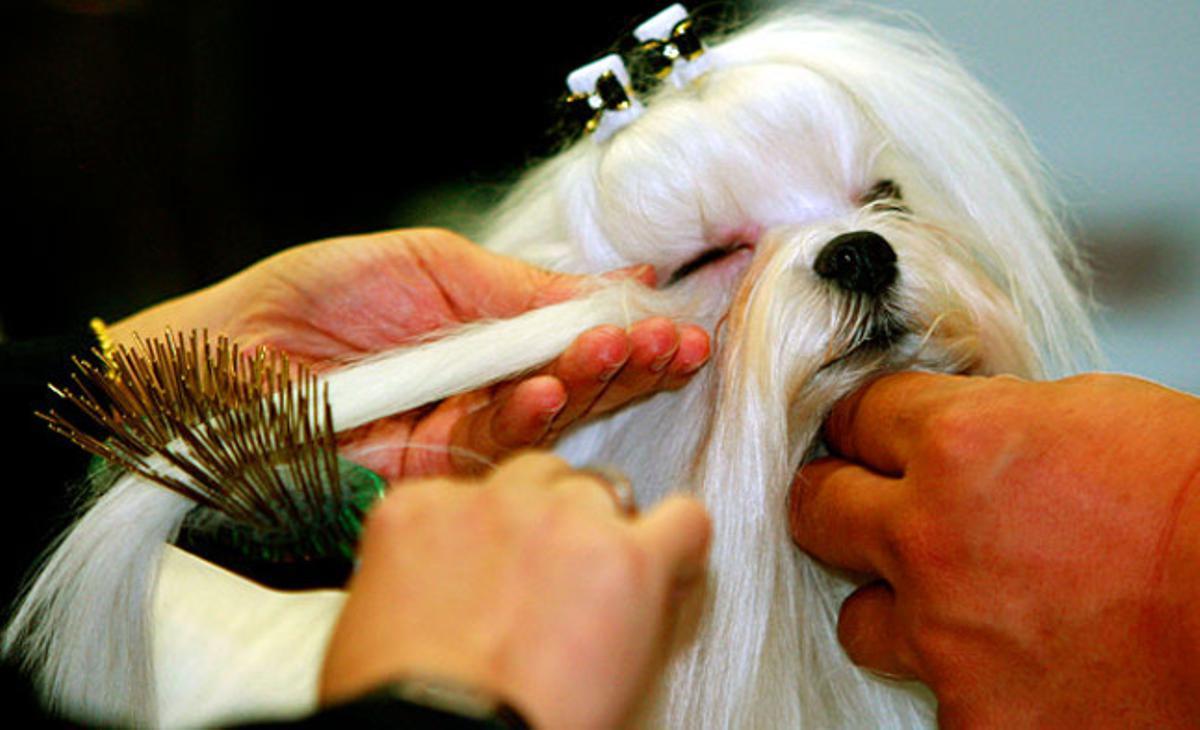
(833, 197)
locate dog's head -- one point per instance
(867, 183)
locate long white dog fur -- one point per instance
(775, 146)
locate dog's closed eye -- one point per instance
(883, 190)
(708, 256)
(884, 195)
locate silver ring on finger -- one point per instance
(619, 487)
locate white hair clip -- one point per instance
(670, 46)
(601, 97)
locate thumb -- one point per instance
(553, 287)
(678, 531)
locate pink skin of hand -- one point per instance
(335, 300)
(529, 584)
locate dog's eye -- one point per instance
(883, 190)
(710, 256)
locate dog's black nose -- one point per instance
(859, 261)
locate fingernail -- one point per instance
(644, 273)
(610, 372)
(549, 413)
(689, 369)
(658, 365)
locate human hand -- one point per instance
(531, 586)
(1038, 545)
(330, 301)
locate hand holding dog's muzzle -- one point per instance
(980, 511)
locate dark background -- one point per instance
(150, 147)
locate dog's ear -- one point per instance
(987, 186)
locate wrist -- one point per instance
(442, 686)
(356, 663)
(445, 701)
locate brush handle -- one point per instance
(309, 551)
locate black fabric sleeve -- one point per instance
(383, 710)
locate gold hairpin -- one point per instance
(669, 46)
(600, 98)
(681, 43)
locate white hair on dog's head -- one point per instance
(800, 116)
(808, 135)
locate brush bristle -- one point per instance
(249, 438)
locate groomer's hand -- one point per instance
(329, 301)
(530, 585)
(1034, 547)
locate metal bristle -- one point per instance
(249, 437)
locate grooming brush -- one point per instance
(250, 440)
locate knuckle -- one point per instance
(925, 546)
(480, 502)
(912, 538)
(528, 461)
(403, 507)
(616, 566)
(956, 433)
(623, 572)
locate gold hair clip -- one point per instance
(670, 47)
(600, 98)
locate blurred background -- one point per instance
(1110, 93)
(150, 147)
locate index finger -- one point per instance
(840, 514)
(879, 424)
